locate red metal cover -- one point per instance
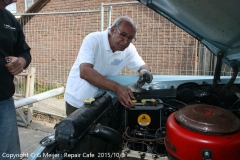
(208, 119)
(184, 144)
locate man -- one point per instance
(105, 54)
(14, 57)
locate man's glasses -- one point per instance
(124, 35)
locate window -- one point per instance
(28, 4)
(12, 8)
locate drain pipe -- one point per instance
(109, 135)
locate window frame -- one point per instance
(26, 2)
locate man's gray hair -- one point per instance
(117, 22)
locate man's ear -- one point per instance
(113, 30)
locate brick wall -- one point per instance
(55, 39)
(20, 6)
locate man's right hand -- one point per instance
(124, 93)
(125, 96)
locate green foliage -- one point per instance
(42, 86)
(39, 87)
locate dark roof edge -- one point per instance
(35, 8)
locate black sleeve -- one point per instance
(21, 48)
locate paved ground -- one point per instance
(53, 106)
(30, 136)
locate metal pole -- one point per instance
(121, 3)
(109, 16)
(111, 4)
(38, 97)
(51, 13)
(102, 17)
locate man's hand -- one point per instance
(123, 93)
(15, 64)
(144, 76)
(125, 96)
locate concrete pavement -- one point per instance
(30, 136)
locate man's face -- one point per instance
(5, 3)
(123, 35)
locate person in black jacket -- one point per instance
(14, 57)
